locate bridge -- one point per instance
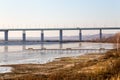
(6, 32)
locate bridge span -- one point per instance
(6, 32)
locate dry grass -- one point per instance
(89, 67)
(106, 67)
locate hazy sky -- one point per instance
(59, 13)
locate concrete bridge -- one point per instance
(6, 32)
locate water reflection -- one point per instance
(24, 47)
(5, 48)
(42, 45)
(8, 48)
(60, 45)
(18, 53)
(5, 57)
(80, 44)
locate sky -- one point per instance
(59, 13)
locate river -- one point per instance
(17, 54)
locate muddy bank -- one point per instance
(42, 71)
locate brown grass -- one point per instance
(105, 67)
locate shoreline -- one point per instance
(91, 66)
(48, 68)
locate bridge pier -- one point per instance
(42, 36)
(80, 35)
(6, 35)
(100, 34)
(61, 36)
(24, 36)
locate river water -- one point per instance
(17, 54)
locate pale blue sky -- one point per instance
(69, 13)
(58, 13)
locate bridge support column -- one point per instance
(42, 36)
(24, 36)
(6, 35)
(80, 35)
(61, 36)
(100, 34)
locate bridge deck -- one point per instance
(78, 28)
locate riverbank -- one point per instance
(84, 67)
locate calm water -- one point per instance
(17, 54)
